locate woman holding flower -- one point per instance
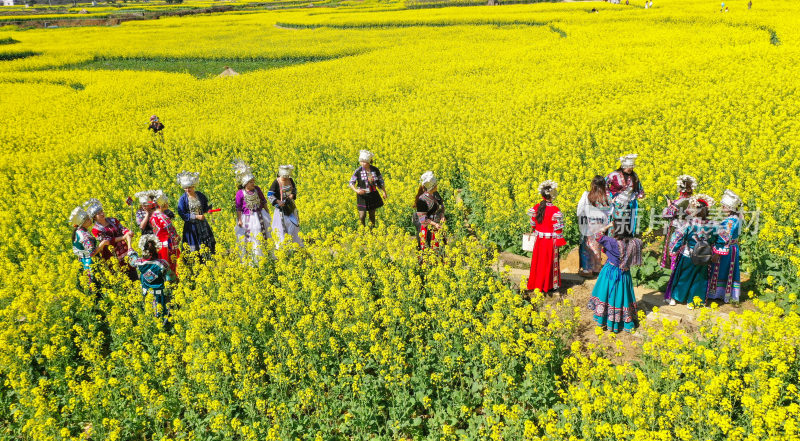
(547, 222)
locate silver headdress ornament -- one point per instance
(242, 171)
(78, 217)
(285, 171)
(549, 188)
(161, 198)
(730, 200)
(92, 207)
(145, 197)
(695, 201)
(365, 156)
(188, 179)
(681, 182)
(149, 238)
(628, 161)
(428, 180)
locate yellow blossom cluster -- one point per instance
(353, 337)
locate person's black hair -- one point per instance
(543, 205)
(633, 175)
(149, 251)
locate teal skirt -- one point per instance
(613, 301)
(687, 281)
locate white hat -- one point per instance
(92, 207)
(146, 196)
(243, 172)
(628, 161)
(730, 200)
(149, 238)
(428, 180)
(699, 200)
(548, 188)
(681, 182)
(78, 217)
(188, 179)
(285, 171)
(365, 156)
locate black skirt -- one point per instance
(369, 201)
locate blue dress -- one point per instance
(613, 300)
(196, 232)
(724, 275)
(688, 280)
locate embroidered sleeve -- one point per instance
(261, 196)
(134, 259)
(354, 178)
(558, 221)
(122, 227)
(183, 209)
(239, 201)
(87, 243)
(532, 215)
(724, 236)
(676, 241)
(378, 178)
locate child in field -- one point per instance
(154, 273)
(613, 300)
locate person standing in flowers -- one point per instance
(282, 194)
(84, 245)
(688, 280)
(429, 214)
(111, 231)
(252, 219)
(594, 210)
(147, 199)
(613, 300)
(154, 272)
(625, 188)
(674, 215)
(547, 222)
(193, 208)
(366, 181)
(724, 273)
(155, 125)
(161, 226)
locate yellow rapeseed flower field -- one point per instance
(353, 338)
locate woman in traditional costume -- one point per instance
(84, 245)
(547, 222)
(625, 189)
(674, 214)
(193, 207)
(429, 214)
(594, 210)
(154, 273)
(366, 181)
(688, 280)
(282, 194)
(724, 273)
(252, 219)
(613, 300)
(146, 200)
(111, 231)
(154, 203)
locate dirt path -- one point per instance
(577, 290)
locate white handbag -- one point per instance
(528, 240)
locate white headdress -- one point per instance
(549, 188)
(698, 200)
(149, 238)
(188, 179)
(730, 200)
(365, 156)
(146, 196)
(78, 217)
(243, 172)
(160, 197)
(92, 207)
(681, 182)
(628, 161)
(428, 180)
(285, 171)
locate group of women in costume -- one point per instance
(98, 236)
(608, 217)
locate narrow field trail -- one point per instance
(577, 290)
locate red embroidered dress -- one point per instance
(545, 272)
(113, 230)
(168, 236)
